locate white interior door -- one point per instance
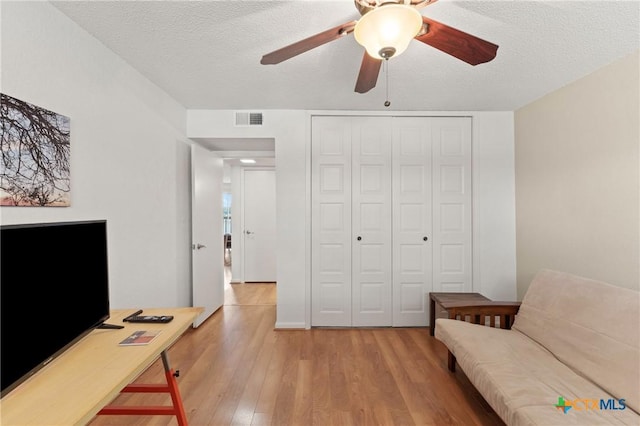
(452, 255)
(259, 233)
(331, 221)
(207, 241)
(412, 221)
(371, 222)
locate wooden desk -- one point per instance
(443, 299)
(75, 386)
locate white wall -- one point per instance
(494, 221)
(236, 229)
(577, 180)
(129, 159)
(494, 199)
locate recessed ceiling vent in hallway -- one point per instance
(248, 118)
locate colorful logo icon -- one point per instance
(590, 404)
(563, 405)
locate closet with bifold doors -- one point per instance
(390, 217)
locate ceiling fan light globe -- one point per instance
(388, 26)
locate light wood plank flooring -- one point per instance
(244, 294)
(235, 369)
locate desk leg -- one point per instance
(174, 390)
(177, 409)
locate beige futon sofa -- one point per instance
(572, 355)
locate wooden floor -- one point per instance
(243, 294)
(235, 369)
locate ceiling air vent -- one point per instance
(248, 119)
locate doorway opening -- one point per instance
(226, 229)
(226, 155)
(250, 263)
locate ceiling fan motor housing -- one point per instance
(365, 6)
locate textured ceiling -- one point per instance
(206, 54)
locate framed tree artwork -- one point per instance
(36, 146)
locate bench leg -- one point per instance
(451, 362)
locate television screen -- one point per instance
(54, 289)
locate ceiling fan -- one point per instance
(385, 30)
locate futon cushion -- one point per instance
(522, 380)
(591, 326)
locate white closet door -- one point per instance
(372, 210)
(331, 221)
(371, 222)
(412, 221)
(452, 204)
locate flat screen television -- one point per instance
(54, 289)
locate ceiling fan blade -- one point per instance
(309, 43)
(368, 76)
(463, 46)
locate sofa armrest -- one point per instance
(489, 313)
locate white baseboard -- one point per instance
(290, 325)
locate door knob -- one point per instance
(249, 232)
(197, 246)
(425, 238)
(359, 238)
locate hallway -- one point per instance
(247, 294)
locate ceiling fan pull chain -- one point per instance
(386, 75)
